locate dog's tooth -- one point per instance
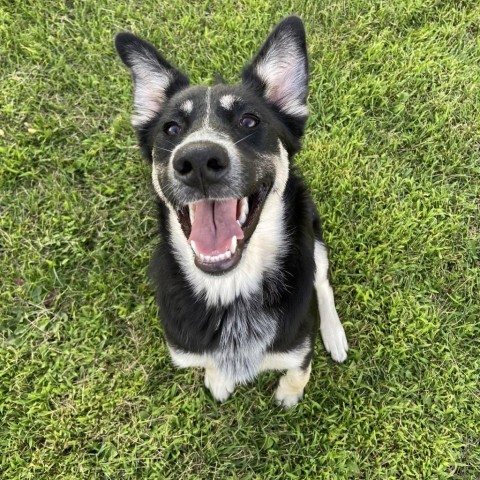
(216, 258)
(233, 246)
(194, 247)
(243, 211)
(191, 212)
(242, 218)
(245, 207)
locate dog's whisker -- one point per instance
(171, 143)
(244, 138)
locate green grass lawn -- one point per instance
(392, 154)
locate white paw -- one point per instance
(334, 339)
(218, 386)
(287, 399)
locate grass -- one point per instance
(392, 155)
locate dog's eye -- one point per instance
(250, 121)
(172, 129)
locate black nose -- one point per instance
(200, 164)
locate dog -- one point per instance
(241, 270)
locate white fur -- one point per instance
(220, 387)
(244, 339)
(291, 385)
(333, 334)
(246, 334)
(283, 69)
(227, 101)
(206, 120)
(186, 107)
(156, 184)
(183, 359)
(286, 360)
(151, 84)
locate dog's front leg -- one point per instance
(220, 386)
(290, 388)
(333, 334)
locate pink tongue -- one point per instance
(214, 225)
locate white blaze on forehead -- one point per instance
(186, 106)
(151, 85)
(206, 120)
(227, 101)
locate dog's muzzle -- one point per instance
(218, 221)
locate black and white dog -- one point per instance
(241, 254)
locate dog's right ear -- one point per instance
(154, 78)
(279, 71)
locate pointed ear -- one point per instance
(154, 78)
(279, 71)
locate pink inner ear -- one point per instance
(284, 72)
(281, 88)
(151, 83)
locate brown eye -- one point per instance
(172, 129)
(249, 121)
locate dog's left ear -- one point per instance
(279, 71)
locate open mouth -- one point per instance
(217, 230)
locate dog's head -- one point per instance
(219, 153)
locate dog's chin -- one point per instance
(248, 210)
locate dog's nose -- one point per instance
(199, 164)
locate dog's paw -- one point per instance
(287, 399)
(334, 339)
(218, 386)
(291, 385)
